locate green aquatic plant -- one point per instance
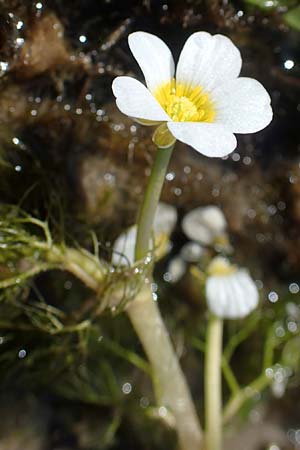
(86, 352)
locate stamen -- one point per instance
(185, 103)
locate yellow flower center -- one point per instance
(221, 267)
(184, 103)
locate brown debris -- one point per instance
(44, 48)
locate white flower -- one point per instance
(204, 103)
(230, 291)
(204, 224)
(164, 222)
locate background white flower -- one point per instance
(164, 222)
(204, 224)
(205, 103)
(230, 291)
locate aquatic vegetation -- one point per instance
(73, 174)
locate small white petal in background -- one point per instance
(230, 291)
(165, 219)
(164, 222)
(192, 252)
(124, 246)
(176, 269)
(204, 224)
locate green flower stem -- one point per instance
(171, 387)
(213, 384)
(150, 201)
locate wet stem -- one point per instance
(170, 385)
(150, 201)
(213, 384)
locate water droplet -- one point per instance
(294, 288)
(235, 157)
(68, 284)
(273, 296)
(269, 372)
(19, 42)
(3, 67)
(144, 402)
(170, 176)
(167, 277)
(22, 354)
(247, 160)
(162, 411)
(126, 388)
(292, 326)
(289, 64)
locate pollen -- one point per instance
(184, 103)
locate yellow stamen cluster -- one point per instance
(184, 103)
(221, 267)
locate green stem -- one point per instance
(213, 384)
(244, 395)
(229, 376)
(172, 391)
(150, 201)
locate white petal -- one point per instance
(210, 139)
(195, 230)
(165, 219)
(216, 296)
(249, 287)
(124, 246)
(176, 269)
(233, 296)
(134, 100)
(208, 60)
(242, 105)
(154, 58)
(192, 252)
(210, 217)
